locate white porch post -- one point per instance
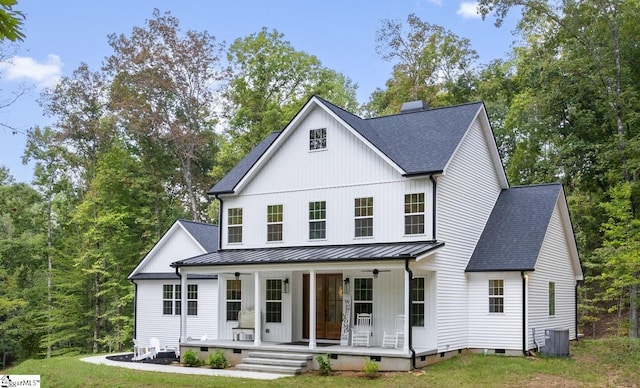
(407, 312)
(183, 306)
(312, 309)
(257, 304)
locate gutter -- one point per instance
(410, 302)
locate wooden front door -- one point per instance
(328, 306)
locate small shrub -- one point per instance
(324, 365)
(371, 368)
(217, 360)
(190, 358)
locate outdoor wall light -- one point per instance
(285, 285)
(237, 275)
(346, 286)
(375, 273)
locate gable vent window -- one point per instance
(235, 225)
(317, 220)
(496, 296)
(274, 223)
(414, 213)
(317, 139)
(363, 217)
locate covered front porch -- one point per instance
(309, 304)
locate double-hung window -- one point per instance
(317, 139)
(317, 220)
(235, 225)
(192, 299)
(363, 209)
(171, 299)
(414, 213)
(274, 222)
(362, 296)
(274, 301)
(496, 296)
(234, 299)
(417, 301)
(552, 298)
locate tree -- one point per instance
(430, 64)
(10, 21)
(270, 82)
(164, 95)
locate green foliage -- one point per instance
(190, 358)
(371, 368)
(217, 360)
(324, 365)
(11, 21)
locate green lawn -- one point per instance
(611, 362)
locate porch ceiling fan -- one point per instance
(376, 271)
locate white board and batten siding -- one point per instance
(345, 170)
(554, 265)
(151, 322)
(495, 330)
(466, 194)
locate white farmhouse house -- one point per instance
(408, 218)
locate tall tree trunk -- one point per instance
(49, 276)
(96, 317)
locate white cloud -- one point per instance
(468, 10)
(43, 74)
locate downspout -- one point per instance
(180, 281)
(525, 351)
(410, 302)
(135, 309)
(576, 307)
(433, 199)
(220, 212)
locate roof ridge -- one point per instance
(535, 185)
(426, 110)
(195, 222)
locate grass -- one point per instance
(610, 362)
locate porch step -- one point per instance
(285, 363)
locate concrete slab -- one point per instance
(102, 360)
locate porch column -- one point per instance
(183, 306)
(407, 312)
(312, 309)
(257, 304)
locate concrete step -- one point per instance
(281, 356)
(275, 361)
(269, 368)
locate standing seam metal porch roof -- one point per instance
(419, 142)
(313, 254)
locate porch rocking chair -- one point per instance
(362, 330)
(395, 338)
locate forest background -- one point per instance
(136, 143)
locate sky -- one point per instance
(63, 34)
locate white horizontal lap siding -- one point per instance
(495, 330)
(465, 197)
(179, 245)
(553, 265)
(348, 169)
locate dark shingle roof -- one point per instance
(419, 142)
(290, 255)
(205, 234)
(515, 231)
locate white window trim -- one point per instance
(489, 296)
(355, 218)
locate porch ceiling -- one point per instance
(317, 254)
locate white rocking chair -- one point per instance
(361, 332)
(395, 338)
